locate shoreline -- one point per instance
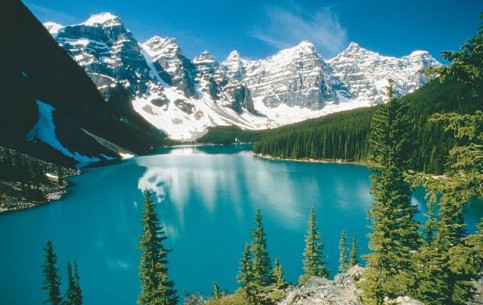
(51, 191)
(315, 161)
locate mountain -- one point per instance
(366, 72)
(183, 97)
(50, 107)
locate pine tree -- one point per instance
(394, 234)
(343, 256)
(71, 287)
(353, 260)
(446, 260)
(313, 254)
(449, 261)
(51, 276)
(156, 288)
(245, 277)
(216, 291)
(278, 277)
(260, 261)
(77, 297)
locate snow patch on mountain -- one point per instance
(44, 131)
(53, 28)
(105, 19)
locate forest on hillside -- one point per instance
(343, 136)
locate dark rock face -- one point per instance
(37, 69)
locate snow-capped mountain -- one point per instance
(365, 73)
(107, 51)
(184, 97)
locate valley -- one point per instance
(286, 178)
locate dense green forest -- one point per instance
(343, 136)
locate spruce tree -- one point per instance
(447, 258)
(77, 297)
(245, 277)
(394, 237)
(260, 258)
(313, 262)
(68, 296)
(156, 287)
(278, 277)
(343, 253)
(353, 260)
(51, 275)
(449, 261)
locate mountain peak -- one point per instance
(204, 57)
(418, 53)
(53, 28)
(104, 18)
(163, 46)
(162, 40)
(354, 46)
(305, 44)
(234, 55)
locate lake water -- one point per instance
(207, 197)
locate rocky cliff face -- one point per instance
(295, 77)
(167, 53)
(108, 52)
(184, 97)
(365, 73)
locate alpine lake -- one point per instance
(206, 198)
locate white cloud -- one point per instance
(287, 28)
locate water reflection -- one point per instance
(178, 180)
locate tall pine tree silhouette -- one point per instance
(313, 262)
(51, 275)
(394, 237)
(156, 287)
(261, 264)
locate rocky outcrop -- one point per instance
(340, 291)
(320, 291)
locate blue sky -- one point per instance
(259, 28)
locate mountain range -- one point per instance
(183, 97)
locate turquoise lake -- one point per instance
(207, 197)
